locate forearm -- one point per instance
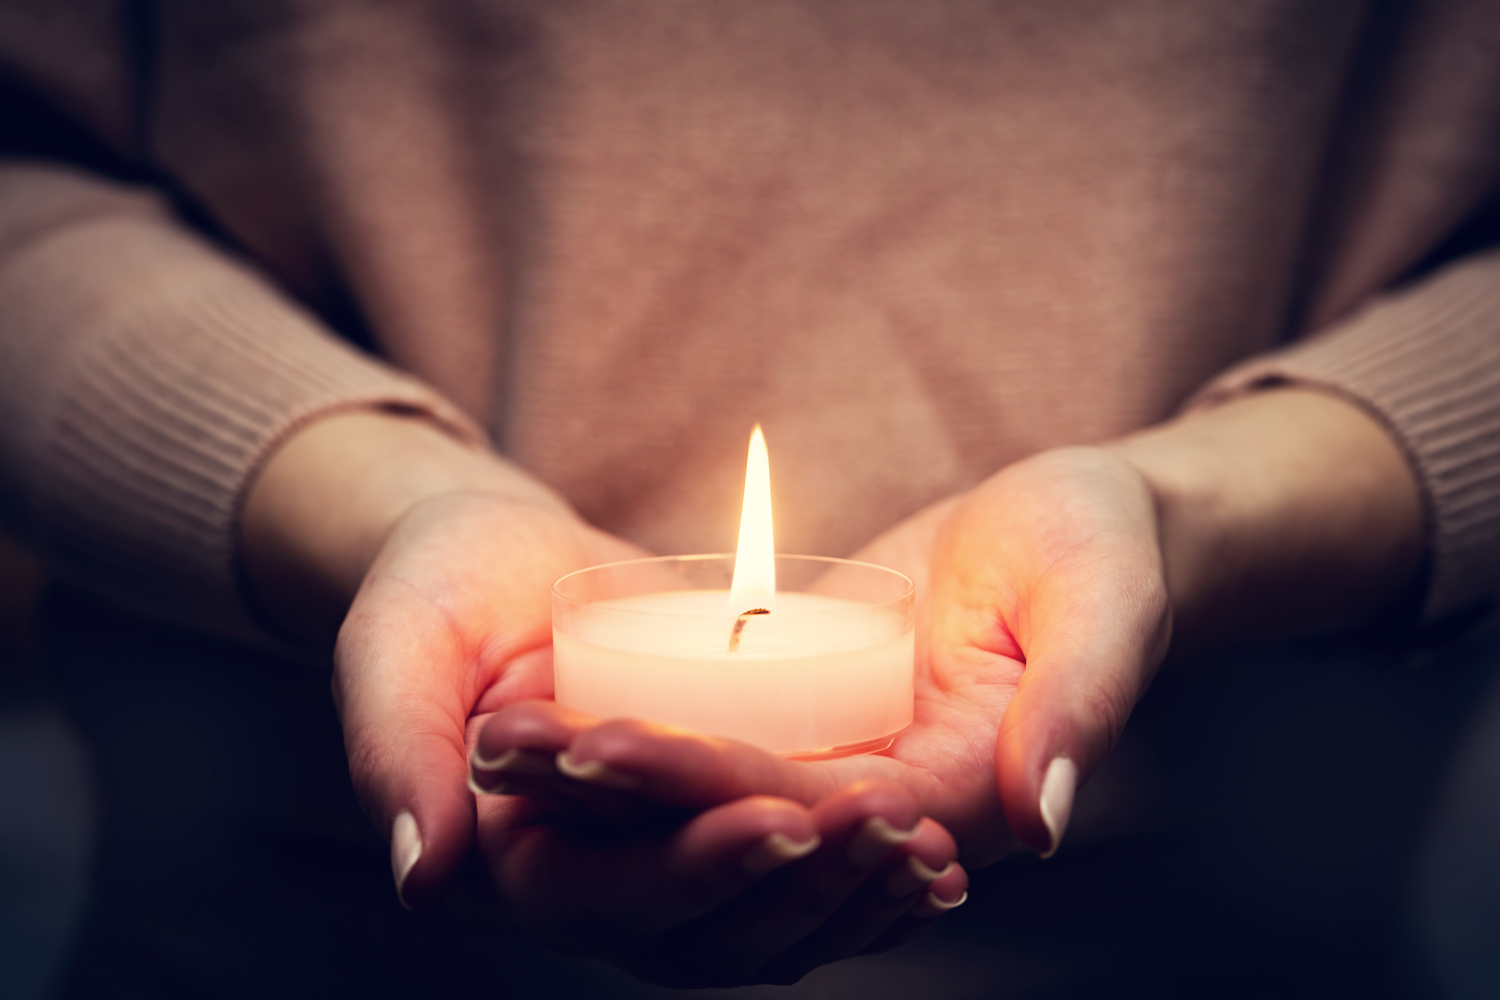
(324, 502)
(1282, 512)
(144, 376)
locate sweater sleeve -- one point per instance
(1425, 360)
(144, 376)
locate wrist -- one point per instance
(1282, 512)
(324, 501)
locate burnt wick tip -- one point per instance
(739, 626)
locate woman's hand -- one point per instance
(452, 620)
(1048, 596)
(442, 555)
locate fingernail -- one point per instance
(777, 850)
(931, 906)
(875, 839)
(499, 788)
(1056, 804)
(515, 761)
(911, 876)
(406, 848)
(596, 772)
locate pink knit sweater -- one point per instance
(916, 240)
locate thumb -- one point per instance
(1095, 640)
(397, 682)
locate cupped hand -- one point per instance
(758, 889)
(1043, 612)
(453, 618)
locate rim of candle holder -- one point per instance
(908, 592)
(879, 744)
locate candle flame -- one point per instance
(754, 583)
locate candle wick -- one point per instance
(739, 626)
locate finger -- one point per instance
(588, 889)
(522, 777)
(682, 769)
(517, 753)
(403, 721)
(519, 744)
(861, 828)
(877, 905)
(947, 893)
(526, 766)
(1095, 638)
(527, 676)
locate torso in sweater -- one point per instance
(915, 240)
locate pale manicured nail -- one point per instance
(500, 788)
(875, 839)
(1058, 786)
(911, 876)
(406, 848)
(596, 772)
(516, 761)
(778, 850)
(931, 906)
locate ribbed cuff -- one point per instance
(164, 411)
(1426, 361)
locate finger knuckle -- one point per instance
(366, 761)
(1109, 701)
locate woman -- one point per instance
(1087, 319)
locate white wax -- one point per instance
(815, 674)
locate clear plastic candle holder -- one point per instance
(822, 669)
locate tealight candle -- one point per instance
(801, 655)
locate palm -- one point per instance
(945, 757)
(1046, 547)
